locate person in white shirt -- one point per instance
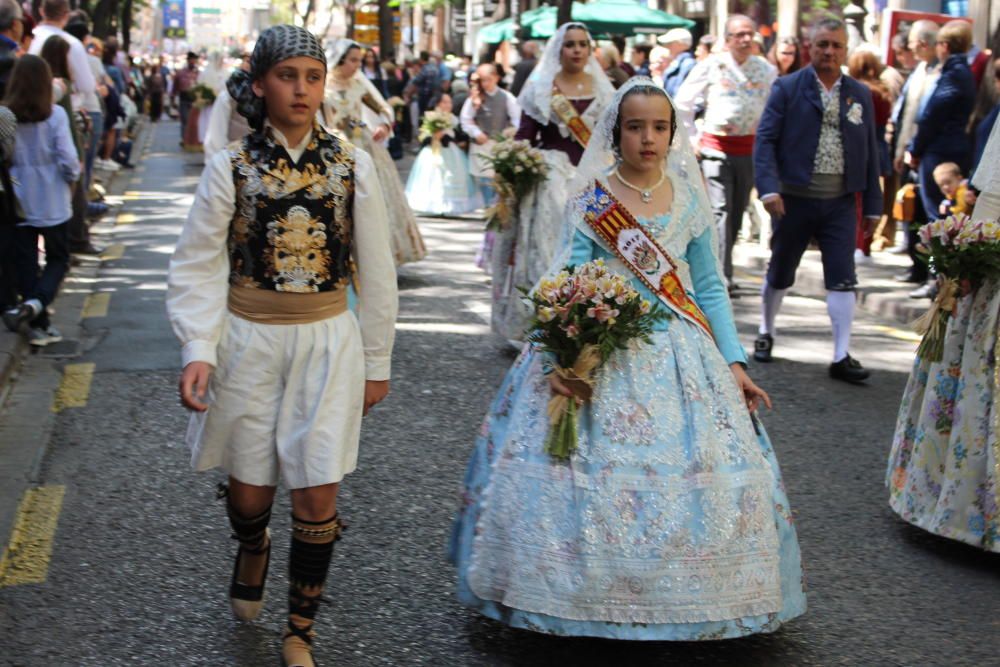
(55, 14)
(734, 85)
(487, 112)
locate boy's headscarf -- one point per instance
(275, 44)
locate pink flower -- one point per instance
(572, 330)
(603, 313)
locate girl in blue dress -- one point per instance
(439, 181)
(670, 521)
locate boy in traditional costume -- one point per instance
(277, 369)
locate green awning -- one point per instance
(625, 17)
(602, 17)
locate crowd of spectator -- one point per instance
(71, 103)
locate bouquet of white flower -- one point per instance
(517, 168)
(434, 122)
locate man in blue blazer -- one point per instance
(817, 170)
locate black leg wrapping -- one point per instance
(249, 531)
(309, 562)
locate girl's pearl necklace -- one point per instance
(645, 193)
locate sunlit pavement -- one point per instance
(140, 555)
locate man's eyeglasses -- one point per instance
(746, 34)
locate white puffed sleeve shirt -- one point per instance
(198, 279)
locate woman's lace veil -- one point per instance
(536, 97)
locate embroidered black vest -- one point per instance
(292, 229)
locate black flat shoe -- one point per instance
(247, 601)
(762, 348)
(849, 369)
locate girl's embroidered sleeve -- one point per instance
(377, 300)
(197, 282)
(713, 298)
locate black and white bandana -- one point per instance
(275, 44)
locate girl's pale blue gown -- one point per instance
(670, 522)
(440, 182)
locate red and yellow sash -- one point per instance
(640, 252)
(567, 114)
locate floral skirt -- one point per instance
(942, 469)
(669, 522)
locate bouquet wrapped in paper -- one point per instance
(964, 253)
(518, 168)
(581, 316)
(202, 96)
(434, 122)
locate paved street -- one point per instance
(141, 558)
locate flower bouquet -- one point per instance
(517, 169)
(434, 122)
(581, 316)
(964, 253)
(202, 96)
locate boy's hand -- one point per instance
(375, 393)
(194, 385)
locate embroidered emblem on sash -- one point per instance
(639, 251)
(567, 114)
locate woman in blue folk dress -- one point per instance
(439, 181)
(670, 521)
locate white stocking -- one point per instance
(771, 299)
(840, 306)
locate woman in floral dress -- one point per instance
(942, 474)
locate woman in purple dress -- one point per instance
(560, 104)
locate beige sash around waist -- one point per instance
(266, 306)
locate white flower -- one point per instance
(855, 114)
